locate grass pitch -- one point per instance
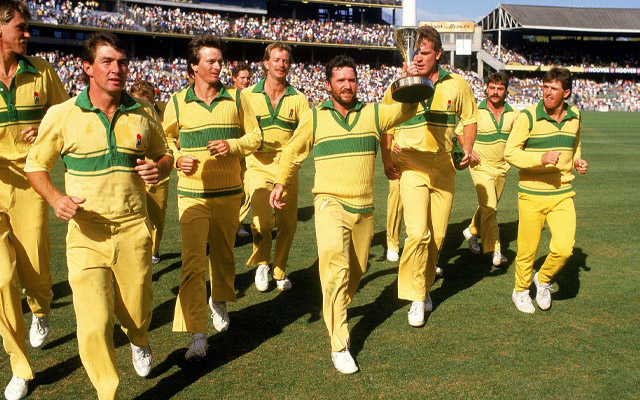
(475, 343)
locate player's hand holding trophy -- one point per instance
(409, 89)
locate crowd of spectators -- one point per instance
(169, 76)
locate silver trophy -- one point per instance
(410, 89)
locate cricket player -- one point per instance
(545, 145)
(426, 171)
(344, 134)
(157, 194)
(103, 136)
(495, 121)
(241, 77)
(214, 130)
(278, 107)
(29, 86)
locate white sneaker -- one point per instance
(543, 293)
(16, 389)
(472, 240)
(343, 362)
(428, 304)
(155, 258)
(439, 271)
(39, 330)
(197, 347)
(242, 232)
(219, 315)
(283, 284)
(392, 255)
(142, 359)
(262, 277)
(523, 301)
(416, 313)
(498, 259)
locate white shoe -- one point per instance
(439, 271)
(262, 277)
(16, 389)
(343, 362)
(416, 313)
(242, 232)
(472, 240)
(142, 359)
(523, 301)
(39, 330)
(155, 258)
(543, 293)
(392, 255)
(197, 347)
(428, 304)
(219, 315)
(498, 259)
(283, 284)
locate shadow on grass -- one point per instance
(568, 279)
(250, 327)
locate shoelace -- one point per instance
(142, 355)
(39, 322)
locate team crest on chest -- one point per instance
(138, 141)
(291, 113)
(448, 105)
(36, 98)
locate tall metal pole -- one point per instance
(409, 17)
(499, 32)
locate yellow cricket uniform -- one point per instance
(157, 197)
(428, 178)
(34, 88)
(108, 240)
(277, 127)
(544, 191)
(344, 151)
(395, 210)
(245, 205)
(490, 175)
(209, 198)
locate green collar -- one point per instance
(259, 88)
(483, 104)
(329, 104)
(127, 102)
(191, 94)
(442, 74)
(541, 113)
(24, 65)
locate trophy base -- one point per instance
(411, 89)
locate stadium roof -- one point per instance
(603, 20)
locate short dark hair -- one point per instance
(340, 61)
(96, 40)
(240, 66)
(430, 34)
(500, 77)
(200, 41)
(143, 90)
(562, 75)
(9, 8)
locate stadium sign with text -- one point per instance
(611, 70)
(451, 26)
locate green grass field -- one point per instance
(475, 344)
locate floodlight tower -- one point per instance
(409, 13)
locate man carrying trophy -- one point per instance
(422, 161)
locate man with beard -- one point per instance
(495, 121)
(344, 134)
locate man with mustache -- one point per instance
(344, 134)
(545, 145)
(29, 87)
(426, 171)
(278, 107)
(495, 121)
(104, 137)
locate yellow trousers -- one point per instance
(489, 187)
(11, 319)
(157, 196)
(28, 216)
(394, 216)
(344, 239)
(245, 206)
(260, 176)
(109, 274)
(560, 214)
(427, 186)
(203, 220)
